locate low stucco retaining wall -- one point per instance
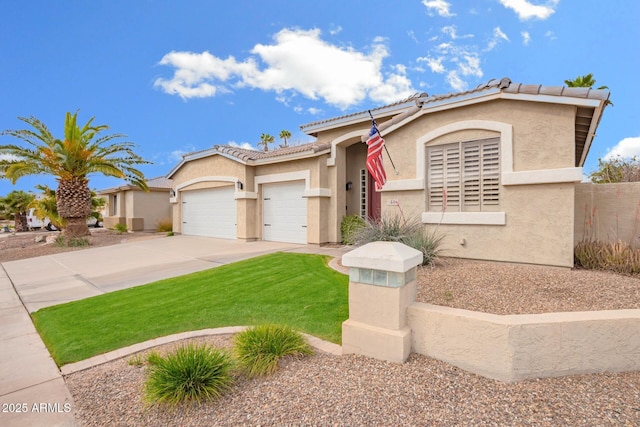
(518, 347)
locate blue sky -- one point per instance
(180, 76)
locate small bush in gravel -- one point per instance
(191, 373)
(259, 348)
(120, 228)
(349, 226)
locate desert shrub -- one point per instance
(191, 373)
(61, 241)
(120, 228)
(164, 226)
(395, 228)
(427, 242)
(259, 348)
(619, 257)
(349, 226)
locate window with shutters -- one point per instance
(464, 176)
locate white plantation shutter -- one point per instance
(468, 171)
(444, 174)
(491, 172)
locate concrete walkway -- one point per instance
(32, 390)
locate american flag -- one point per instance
(374, 156)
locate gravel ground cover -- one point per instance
(357, 391)
(352, 390)
(23, 245)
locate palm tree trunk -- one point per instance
(20, 222)
(73, 199)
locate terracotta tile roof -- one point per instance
(407, 102)
(247, 155)
(503, 85)
(157, 183)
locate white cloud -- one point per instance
(497, 37)
(526, 10)
(298, 61)
(470, 65)
(176, 155)
(452, 32)
(434, 64)
(454, 80)
(244, 145)
(526, 38)
(335, 30)
(441, 7)
(628, 147)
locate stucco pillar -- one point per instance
(382, 284)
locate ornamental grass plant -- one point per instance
(396, 228)
(259, 348)
(192, 373)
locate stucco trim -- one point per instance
(287, 176)
(331, 161)
(245, 195)
(465, 218)
(317, 192)
(230, 179)
(506, 141)
(404, 184)
(543, 176)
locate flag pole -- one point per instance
(373, 121)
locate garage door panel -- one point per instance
(285, 212)
(209, 213)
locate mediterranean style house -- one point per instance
(493, 168)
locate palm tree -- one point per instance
(265, 140)
(82, 152)
(284, 134)
(17, 204)
(586, 81)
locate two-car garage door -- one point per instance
(210, 212)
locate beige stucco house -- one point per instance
(138, 210)
(494, 168)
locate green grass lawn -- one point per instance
(298, 290)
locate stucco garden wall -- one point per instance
(607, 212)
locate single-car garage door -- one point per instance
(210, 212)
(284, 212)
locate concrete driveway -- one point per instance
(69, 276)
(31, 386)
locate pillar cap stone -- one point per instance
(387, 256)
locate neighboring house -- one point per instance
(494, 168)
(137, 209)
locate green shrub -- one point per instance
(349, 226)
(395, 228)
(164, 226)
(619, 257)
(191, 373)
(259, 348)
(120, 228)
(169, 233)
(61, 241)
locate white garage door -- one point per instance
(209, 212)
(284, 212)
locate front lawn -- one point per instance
(298, 290)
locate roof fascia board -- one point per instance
(595, 121)
(200, 155)
(553, 99)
